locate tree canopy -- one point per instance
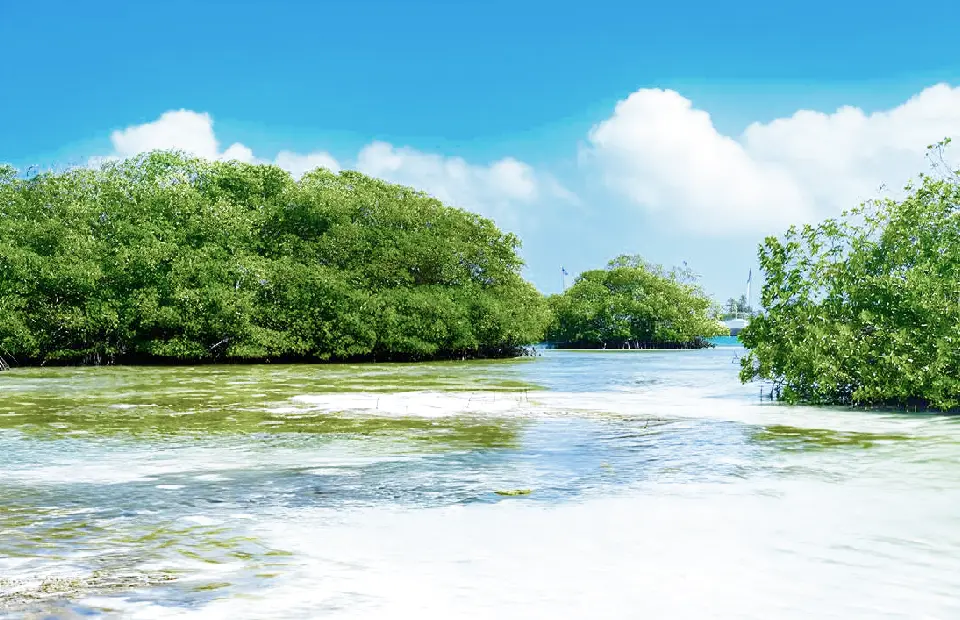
(163, 256)
(865, 309)
(633, 303)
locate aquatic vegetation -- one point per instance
(56, 423)
(805, 439)
(163, 257)
(252, 400)
(18, 594)
(863, 310)
(45, 530)
(633, 304)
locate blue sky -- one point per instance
(525, 82)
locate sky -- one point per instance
(681, 132)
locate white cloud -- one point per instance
(176, 129)
(495, 190)
(501, 189)
(298, 164)
(192, 132)
(658, 151)
(237, 152)
(666, 156)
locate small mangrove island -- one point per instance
(167, 258)
(633, 304)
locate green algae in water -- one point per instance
(208, 587)
(17, 594)
(33, 528)
(514, 492)
(278, 553)
(243, 400)
(140, 385)
(153, 422)
(795, 438)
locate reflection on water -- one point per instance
(593, 484)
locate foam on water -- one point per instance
(685, 552)
(670, 403)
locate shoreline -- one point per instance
(154, 362)
(533, 353)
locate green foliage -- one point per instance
(632, 303)
(167, 257)
(865, 309)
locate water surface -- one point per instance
(658, 487)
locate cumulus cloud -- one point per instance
(193, 133)
(298, 164)
(176, 129)
(666, 156)
(500, 189)
(658, 151)
(494, 189)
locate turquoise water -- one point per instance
(726, 341)
(659, 486)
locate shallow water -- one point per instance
(658, 487)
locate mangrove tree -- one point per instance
(634, 304)
(167, 257)
(864, 309)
